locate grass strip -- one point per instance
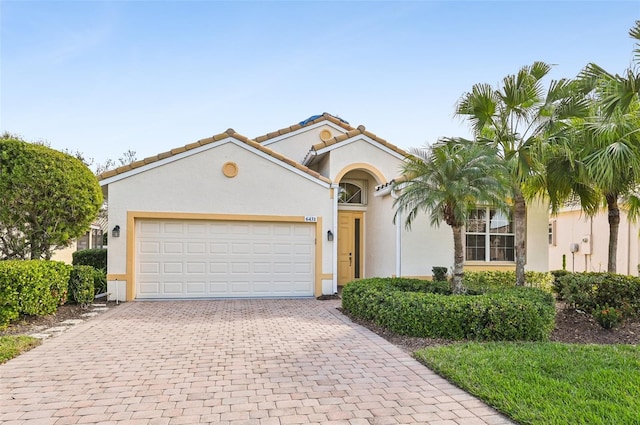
(546, 383)
(12, 346)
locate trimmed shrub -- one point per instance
(96, 258)
(608, 317)
(99, 281)
(498, 279)
(439, 273)
(81, 284)
(33, 287)
(588, 291)
(508, 313)
(557, 285)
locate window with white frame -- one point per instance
(552, 233)
(353, 192)
(489, 236)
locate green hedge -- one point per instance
(96, 258)
(35, 287)
(81, 284)
(496, 279)
(557, 282)
(419, 308)
(590, 291)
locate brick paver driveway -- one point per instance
(227, 362)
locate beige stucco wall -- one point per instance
(296, 145)
(65, 254)
(351, 155)
(196, 184)
(537, 236)
(572, 226)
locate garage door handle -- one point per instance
(349, 259)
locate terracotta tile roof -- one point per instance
(229, 133)
(355, 132)
(324, 117)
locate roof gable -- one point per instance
(203, 144)
(350, 136)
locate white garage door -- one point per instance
(210, 259)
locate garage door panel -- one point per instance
(219, 248)
(172, 268)
(196, 288)
(172, 247)
(218, 268)
(197, 258)
(196, 268)
(149, 248)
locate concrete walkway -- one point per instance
(228, 362)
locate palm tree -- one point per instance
(611, 155)
(448, 180)
(516, 118)
(609, 141)
(615, 91)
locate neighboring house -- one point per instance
(294, 213)
(584, 242)
(93, 238)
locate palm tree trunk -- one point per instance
(458, 260)
(520, 217)
(614, 224)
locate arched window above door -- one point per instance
(352, 192)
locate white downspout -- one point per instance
(336, 195)
(394, 195)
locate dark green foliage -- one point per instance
(35, 287)
(48, 198)
(439, 273)
(608, 317)
(557, 285)
(590, 291)
(81, 284)
(96, 258)
(408, 307)
(99, 281)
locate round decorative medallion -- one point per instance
(230, 169)
(325, 135)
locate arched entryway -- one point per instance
(355, 198)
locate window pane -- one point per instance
(475, 249)
(500, 222)
(502, 248)
(477, 221)
(350, 194)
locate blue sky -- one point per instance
(104, 77)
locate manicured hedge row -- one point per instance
(496, 279)
(35, 287)
(419, 308)
(96, 258)
(590, 291)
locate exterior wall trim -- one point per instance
(132, 216)
(360, 166)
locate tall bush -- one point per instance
(96, 258)
(48, 198)
(81, 286)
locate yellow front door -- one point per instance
(349, 246)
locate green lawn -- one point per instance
(546, 383)
(11, 346)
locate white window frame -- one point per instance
(487, 240)
(362, 184)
